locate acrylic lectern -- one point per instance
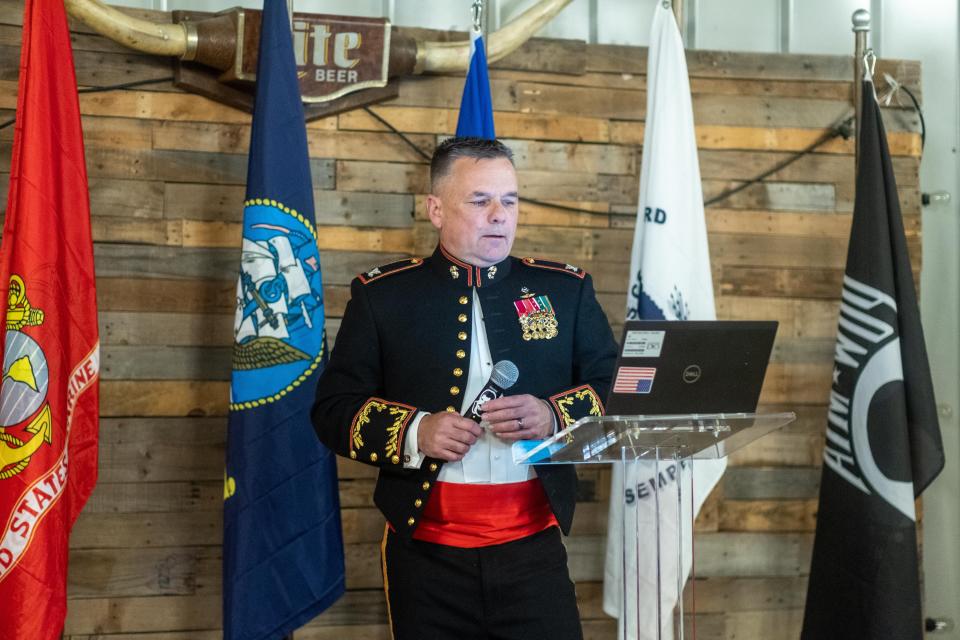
(660, 441)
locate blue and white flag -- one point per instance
(670, 280)
(476, 107)
(282, 543)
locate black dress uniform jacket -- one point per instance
(404, 347)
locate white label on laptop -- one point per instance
(643, 344)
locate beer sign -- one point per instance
(337, 55)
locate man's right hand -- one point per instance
(447, 436)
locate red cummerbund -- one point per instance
(480, 515)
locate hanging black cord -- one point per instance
(844, 129)
(423, 154)
(125, 85)
(112, 87)
(923, 123)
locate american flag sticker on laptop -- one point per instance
(634, 379)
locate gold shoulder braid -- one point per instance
(389, 269)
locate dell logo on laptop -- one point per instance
(691, 374)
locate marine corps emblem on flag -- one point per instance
(27, 424)
(279, 302)
(23, 394)
(49, 388)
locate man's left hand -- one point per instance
(522, 417)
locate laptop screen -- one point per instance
(680, 367)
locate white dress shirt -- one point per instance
(489, 460)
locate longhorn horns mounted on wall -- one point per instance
(213, 41)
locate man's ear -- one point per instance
(435, 210)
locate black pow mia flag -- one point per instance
(883, 442)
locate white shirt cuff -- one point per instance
(412, 457)
(553, 416)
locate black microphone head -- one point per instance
(505, 374)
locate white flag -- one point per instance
(670, 280)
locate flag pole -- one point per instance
(861, 27)
(678, 14)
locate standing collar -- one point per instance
(459, 272)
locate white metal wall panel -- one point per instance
(738, 25)
(624, 22)
(823, 26)
(929, 31)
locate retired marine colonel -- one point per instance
(472, 547)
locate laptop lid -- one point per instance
(679, 367)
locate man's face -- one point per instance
(475, 209)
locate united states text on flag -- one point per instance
(49, 395)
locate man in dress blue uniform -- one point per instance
(472, 547)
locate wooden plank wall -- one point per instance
(166, 184)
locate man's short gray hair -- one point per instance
(452, 149)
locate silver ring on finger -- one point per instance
(519, 424)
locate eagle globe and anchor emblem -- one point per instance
(278, 327)
(23, 391)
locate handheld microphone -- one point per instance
(504, 376)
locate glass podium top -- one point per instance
(619, 438)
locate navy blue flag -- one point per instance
(476, 108)
(282, 542)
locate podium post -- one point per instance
(629, 440)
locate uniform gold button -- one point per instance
(410, 521)
(462, 335)
(461, 354)
(373, 457)
(463, 300)
(418, 503)
(458, 372)
(353, 455)
(452, 409)
(395, 459)
(433, 466)
(462, 317)
(454, 390)
(425, 486)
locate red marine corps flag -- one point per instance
(48, 392)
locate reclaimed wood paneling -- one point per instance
(167, 172)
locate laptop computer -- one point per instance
(680, 367)
(673, 368)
